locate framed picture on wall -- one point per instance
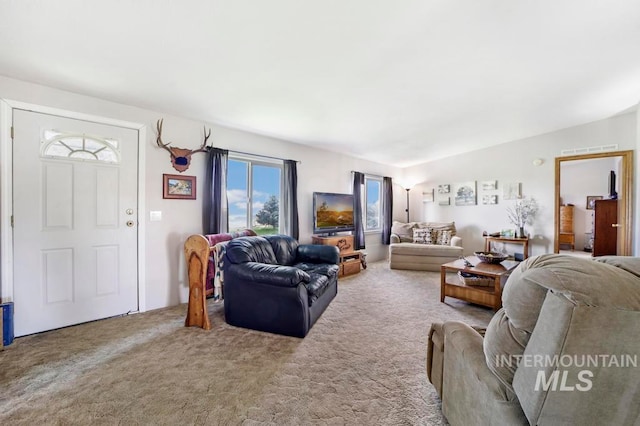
(179, 187)
(591, 201)
(444, 188)
(489, 185)
(490, 199)
(511, 191)
(444, 201)
(465, 194)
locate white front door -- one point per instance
(75, 215)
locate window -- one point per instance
(79, 147)
(372, 200)
(253, 195)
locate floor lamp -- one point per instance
(407, 209)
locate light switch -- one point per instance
(155, 215)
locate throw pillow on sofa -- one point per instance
(404, 231)
(443, 237)
(423, 236)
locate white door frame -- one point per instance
(6, 187)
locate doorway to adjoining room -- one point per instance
(593, 209)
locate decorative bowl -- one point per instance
(490, 256)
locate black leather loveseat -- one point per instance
(274, 284)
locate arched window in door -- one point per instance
(79, 147)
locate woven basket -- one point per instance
(475, 280)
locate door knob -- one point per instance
(130, 223)
(616, 225)
(129, 211)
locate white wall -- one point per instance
(165, 272)
(512, 162)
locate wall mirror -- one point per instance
(580, 181)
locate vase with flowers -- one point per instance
(522, 213)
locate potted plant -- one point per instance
(522, 213)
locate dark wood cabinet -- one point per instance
(605, 228)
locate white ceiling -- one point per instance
(397, 82)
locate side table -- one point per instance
(523, 241)
(486, 296)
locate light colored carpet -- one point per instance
(363, 363)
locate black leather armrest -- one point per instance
(316, 253)
(282, 276)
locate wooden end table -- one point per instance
(522, 241)
(486, 296)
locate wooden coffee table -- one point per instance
(487, 296)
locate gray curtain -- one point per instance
(358, 234)
(215, 219)
(290, 199)
(387, 209)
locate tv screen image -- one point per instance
(332, 212)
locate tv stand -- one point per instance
(328, 234)
(350, 260)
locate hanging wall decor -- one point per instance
(489, 185)
(179, 187)
(489, 199)
(444, 201)
(444, 188)
(181, 157)
(465, 194)
(511, 191)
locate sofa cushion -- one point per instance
(500, 343)
(581, 281)
(628, 263)
(316, 253)
(316, 287)
(330, 270)
(284, 248)
(412, 249)
(404, 231)
(321, 275)
(423, 236)
(265, 273)
(250, 249)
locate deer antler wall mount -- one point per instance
(181, 157)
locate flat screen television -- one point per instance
(332, 213)
(613, 195)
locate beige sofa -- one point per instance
(560, 351)
(404, 253)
